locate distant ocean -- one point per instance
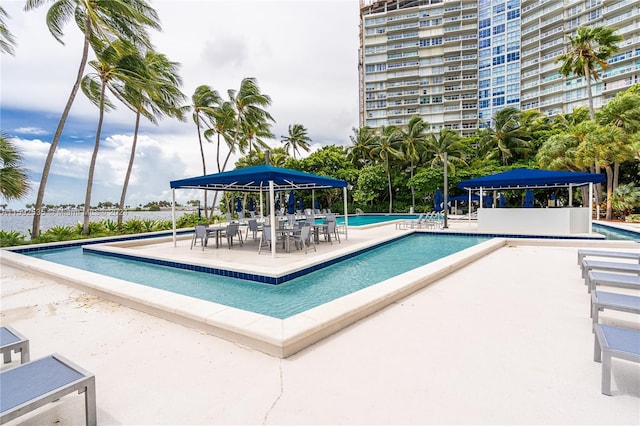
(22, 221)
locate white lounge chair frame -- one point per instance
(12, 340)
(614, 342)
(601, 265)
(610, 279)
(601, 300)
(37, 383)
(582, 253)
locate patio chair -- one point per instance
(303, 239)
(266, 238)
(12, 340)
(614, 342)
(37, 383)
(252, 226)
(582, 253)
(330, 229)
(200, 233)
(232, 231)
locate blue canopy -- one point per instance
(529, 178)
(257, 178)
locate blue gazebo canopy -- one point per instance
(530, 178)
(257, 178)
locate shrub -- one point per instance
(11, 238)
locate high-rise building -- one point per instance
(456, 63)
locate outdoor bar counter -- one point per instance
(535, 221)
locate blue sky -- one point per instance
(303, 54)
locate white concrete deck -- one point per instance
(504, 340)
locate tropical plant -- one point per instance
(625, 199)
(589, 50)
(437, 144)
(7, 41)
(251, 115)
(14, 181)
(413, 144)
(60, 233)
(360, 151)
(105, 20)
(11, 238)
(386, 148)
(507, 139)
(296, 139)
(154, 93)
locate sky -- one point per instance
(303, 54)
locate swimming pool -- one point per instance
(373, 219)
(278, 301)
(613, 233)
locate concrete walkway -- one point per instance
(505, 340)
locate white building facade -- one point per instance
(456, 63)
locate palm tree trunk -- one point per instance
(92, 167)
(587, 75)
(616, 174)
(609, 190)
(35, 227)
(204, 164)
(132, 156)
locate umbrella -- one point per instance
(300, 204)
(316, 204)
(438, 201)
(291, 203)
(238, 204)
(252, 205)
(528, 199)
(278, 204)
(501, 201)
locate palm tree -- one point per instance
(508, 139)
(388, 146)
(223, 120)
(589, 49)
(446, 141)
(106, 20)
(249, 104)
(362, 140)
(204, 102)
(413, 140)
(154, 95)
(296, 139)
(7, 42)
(109, 74)
(14, 181)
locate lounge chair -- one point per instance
(582, 253)
(601, 300)
(12, 340)
(614, 342)
(37, 383)
(608, 279)
(601, 265)
(201, 234)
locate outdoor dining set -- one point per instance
(301, 230)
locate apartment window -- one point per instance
(513, 46)
(513, 77)
(498, 80)
(484, 3)
(381, 67)
(513, 4)
(498, 60)
(594, 14)
(484, 53)
(425, 42)
(513, 99)
(370, 68)
(381, 104)
(484, 83)
(498, 101)
(498, 19)
(437, 80)
(435, 22)
(499, 8)
(484, 63)
(436, 41)
(436, 99)
(498, 91)
(484, 74)
(498, 39)
(498, 50)
(498, 70)
(484, 43)
(513, 14)
(484, 23)
(483, 104)
(483, 94)
(513, 56)
(484, 33)
(513, 67)
(513, 88)
(498, 29)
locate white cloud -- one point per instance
(31, 131)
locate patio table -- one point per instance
(217, 232)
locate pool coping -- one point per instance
(276, 337)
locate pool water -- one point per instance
(612, 233)
(371, 219)
(278, 301)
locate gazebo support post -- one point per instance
(346, 213)
(272, 219)
(173, 215)
(590, 207)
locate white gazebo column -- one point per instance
(346, 214)
(173, 215)
(272, 218)
(590, 207)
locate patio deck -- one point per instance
(487, 344)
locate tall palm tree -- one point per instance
(387, 147)
(251, 114)
(446, 141)
(296, 139)
(204, 102)
(413, 140)
(589, 49)
(362, 139)
(14, 181)
(106, 20)
(7, 41)
(223, 120)
(154, 94)
(110, 73)
(508, 139)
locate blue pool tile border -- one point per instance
(264, 279)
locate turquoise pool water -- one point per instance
(612, 233)
(278, 301)
(370, 219)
